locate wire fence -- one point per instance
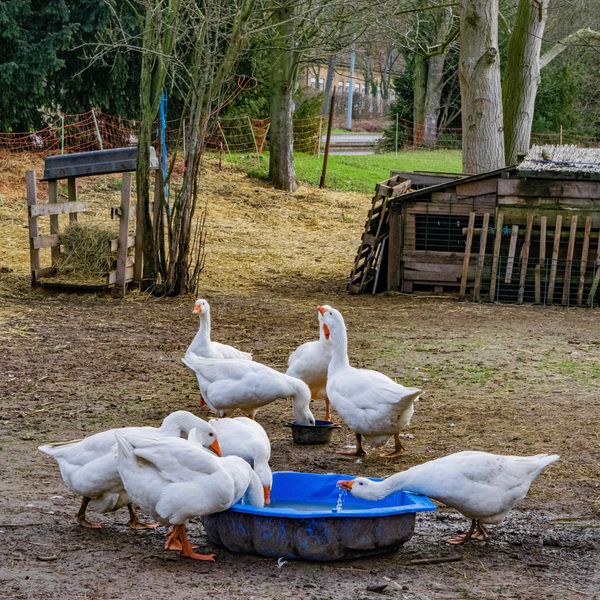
(407, 135)
(96, 130)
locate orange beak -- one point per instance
(197, 309)
(216, 448)
(321, 309)
(326, 331)
(267, 491)
(345, 485)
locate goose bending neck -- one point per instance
(300, 400)
(394, 483)
(177, 423)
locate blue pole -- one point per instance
(162, 118)
(350, 92)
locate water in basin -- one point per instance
(300, 495)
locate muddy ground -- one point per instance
(506, 379)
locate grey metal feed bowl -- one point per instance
(319, 433)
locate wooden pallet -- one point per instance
(368, 258)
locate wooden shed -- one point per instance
(519, 234)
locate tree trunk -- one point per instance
(158, 43)
(522, 75)
(328, 85)
(419, 93)
(282, 173)
(433, 98)
(479, 71)
(435, 76)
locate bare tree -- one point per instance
(193, 46)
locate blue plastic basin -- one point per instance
(303, 522)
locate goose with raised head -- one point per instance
(245, 384)
(202, 345)
(247, 439)
(175, 480)
(310, 361)
(89, 466)
(369, 402)
(480, 485)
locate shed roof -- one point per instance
(561, 162)
(426, 191)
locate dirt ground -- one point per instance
(507, 379)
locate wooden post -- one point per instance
(481, 258)
(34, 231)
(138, 264)
(596, 280)
(254, 139)
(121, 284)
(554, 264)
(541, 261)
(525, 257)
(72, 187)
(512, 249)
(327, 140)
(224, 138)
(98, 136)
(569, 261)
(495, 258)
(319, 136)
(53, 199)
(465, 269)
(394, 268)
(584, 257)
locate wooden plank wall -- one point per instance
(531, 208)
(440, 268)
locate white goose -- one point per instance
(370, 403)
(247, 439)
(245, 384)
(174, 480)
(89, 466)
(482, 486)
(202, 345)
(310, 361)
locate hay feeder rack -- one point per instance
(71, 167)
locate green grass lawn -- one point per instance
(357, 173)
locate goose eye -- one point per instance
(210, 435)
(360, 483)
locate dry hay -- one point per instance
(260, 237)
(86, 251)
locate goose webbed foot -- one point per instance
(477, 531)
(134, 520)
(187, 549)
(172, 541)
(397, 451)
(81, 517)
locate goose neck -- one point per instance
(339, 358)
(177, 423)
(202, 336)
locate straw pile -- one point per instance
(86, 251)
